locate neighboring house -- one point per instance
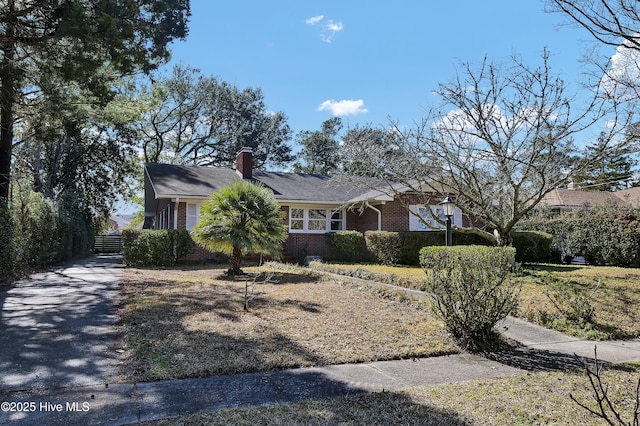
(314, 204)
(117, 223)
(631, 196)
(563, 201)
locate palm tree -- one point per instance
(241, 217)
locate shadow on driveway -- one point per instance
(57, 327)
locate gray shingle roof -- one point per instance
(169, 180)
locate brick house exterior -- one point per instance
(314, 205)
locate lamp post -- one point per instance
(448, 206)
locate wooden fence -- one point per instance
(108, 244)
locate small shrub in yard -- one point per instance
(384, 246)
(471, 290)
(348, 244)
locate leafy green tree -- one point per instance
(194, 119)
(66, 143)
(73, 40)
(242, 217)
(320, 149)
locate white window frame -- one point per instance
(191, 219)
(308, 219)
(415, 224)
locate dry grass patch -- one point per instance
(533, 399)
(403, 276)
(191, 323)
(615, 302)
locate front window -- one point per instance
(316, 220)
(420, 217)
(337, 220)
(297, 219)
(192, 215)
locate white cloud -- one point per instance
(314, 19)
(622, 79)
(328, 29)
(334, 26)
(344, 107)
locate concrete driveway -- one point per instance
(57, 328)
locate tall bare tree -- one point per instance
(612, 22)
(501, 140)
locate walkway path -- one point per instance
(58, 361)
(56, 328)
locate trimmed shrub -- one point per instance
(155, 248)
(532, 246)
(404, 246)
(608, 236)
(348, 244)
(604, 235)
(471, 290)
(384, 246)
(413, 241)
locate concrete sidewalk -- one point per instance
(540, 339)
(60, 378)
(116, 404)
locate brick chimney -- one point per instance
(244, 163)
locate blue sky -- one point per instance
(366, 61)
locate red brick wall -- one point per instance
(301, 245)
(182, 215)
(395, 217)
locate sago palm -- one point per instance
(242, 217)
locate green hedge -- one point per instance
(384, 246)
(404, 247)
(7, 251)
(349, 245)
(604, 235)
(155, 248)
(532, 246)
(38, 231)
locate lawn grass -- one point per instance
(403, 276)
(532, 399)
(615, 302)
(179, 323)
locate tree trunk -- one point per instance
(7, 105)
(503, 238)
(234, 261)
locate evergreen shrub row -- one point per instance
(404, 247)
(155, 247)
(604, 235)
(37, 231)
(349, 245)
